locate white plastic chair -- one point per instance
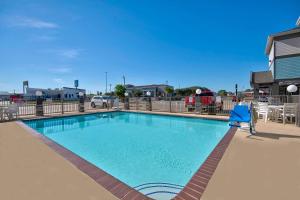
(262, 110)
(289, 112)
(12, 111)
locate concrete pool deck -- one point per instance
(265, 166)
(30, 170)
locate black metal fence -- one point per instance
(210, 105)
(217, 106)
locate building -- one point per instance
(283, 51)
(157, 90)
(30, 93)
(4, 95)
(71, 93)
(66, 93)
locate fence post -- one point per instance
(39, 110)
(197, 104)
(126, 103)
(149, 104)
(62, 106)
(170, 104)
(81, 102)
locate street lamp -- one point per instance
(39, 110)
(198, 91)
(292, 88)
(148, 93)
(197, 101)
(81, 102)
(38, 93)
(80, 94)
(126, 103)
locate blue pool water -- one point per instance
(156, 154)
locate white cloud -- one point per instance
(44, 38)
(58, 81)
(69, 53)
(31, 23)
(61, 70)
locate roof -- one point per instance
(147, 86)
(283, 33)
(4, 93)
(72, 88)
(262, 77)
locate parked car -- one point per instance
(99, 101)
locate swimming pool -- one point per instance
(155, 154)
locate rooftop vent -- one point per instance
(298, 22)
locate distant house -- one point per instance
(30, 93)
(157, 90)
(71, 93)
(4, 95)
(65, 93)
(283, 50)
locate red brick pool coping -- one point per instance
(192, 191)
(197, 184)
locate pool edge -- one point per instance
(104, 179)
(196, 186)
(191, 191)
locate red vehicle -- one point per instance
(207, 97)
(16, 98)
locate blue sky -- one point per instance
(209, 43)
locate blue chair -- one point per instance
(241, 113)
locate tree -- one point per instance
(137, 93)
(120, 90)
(222, 93)
(189, 91)
(169, 90)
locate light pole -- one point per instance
(126, 103)
(291, 89)
(148, 93)
(39, 111)
(81, 102)
(105, 82)
(198, 101)
(123, 80)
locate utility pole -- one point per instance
(110, 87)
(123, 80)
(105, 82)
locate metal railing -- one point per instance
(277, 99)
(28, 107)
(179, 105)
(219, 105)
